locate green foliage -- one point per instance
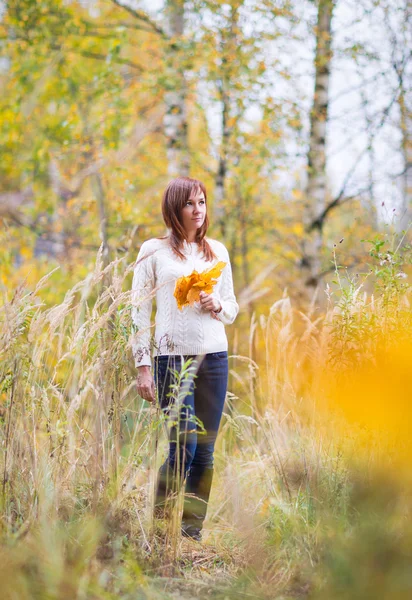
(389, 265)
(357, 327)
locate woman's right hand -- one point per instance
(145, 383)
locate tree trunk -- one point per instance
(228, 45)
(222, 165)
(315, 194)
(175, 120)
(369, 204)
(405, 213)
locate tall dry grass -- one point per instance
(311, 496)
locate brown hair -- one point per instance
(175, 196)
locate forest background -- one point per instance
(297, 115)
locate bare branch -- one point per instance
(338, 201)
(318, 222)
(142, 16)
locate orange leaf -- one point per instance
(193, 295)
(215, 271)
(183, 285)
(187, 289)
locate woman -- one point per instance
(195, 332)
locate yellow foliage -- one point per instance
(297, 229)
(187, 289)
(375, 394)
(298, 194)
(26, 252)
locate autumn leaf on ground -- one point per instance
(187, 289)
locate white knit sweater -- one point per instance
(191, 330)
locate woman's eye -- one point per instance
(189, 202)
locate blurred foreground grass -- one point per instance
(312, 494)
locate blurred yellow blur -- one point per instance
(375, 393)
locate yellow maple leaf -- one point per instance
(183, 285)
(188, 288)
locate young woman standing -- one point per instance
(194, 332)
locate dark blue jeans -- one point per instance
(194, 404)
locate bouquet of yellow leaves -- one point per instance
(187, 289)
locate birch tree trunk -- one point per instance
(402, 62)
(398, 23)
(175, 120)
(315, 193)
(228, 52)
(405, 216)
(223, 154)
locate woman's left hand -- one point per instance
(209, 302)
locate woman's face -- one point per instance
(194, 212)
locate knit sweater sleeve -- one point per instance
(230, 307)
(142, 299)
